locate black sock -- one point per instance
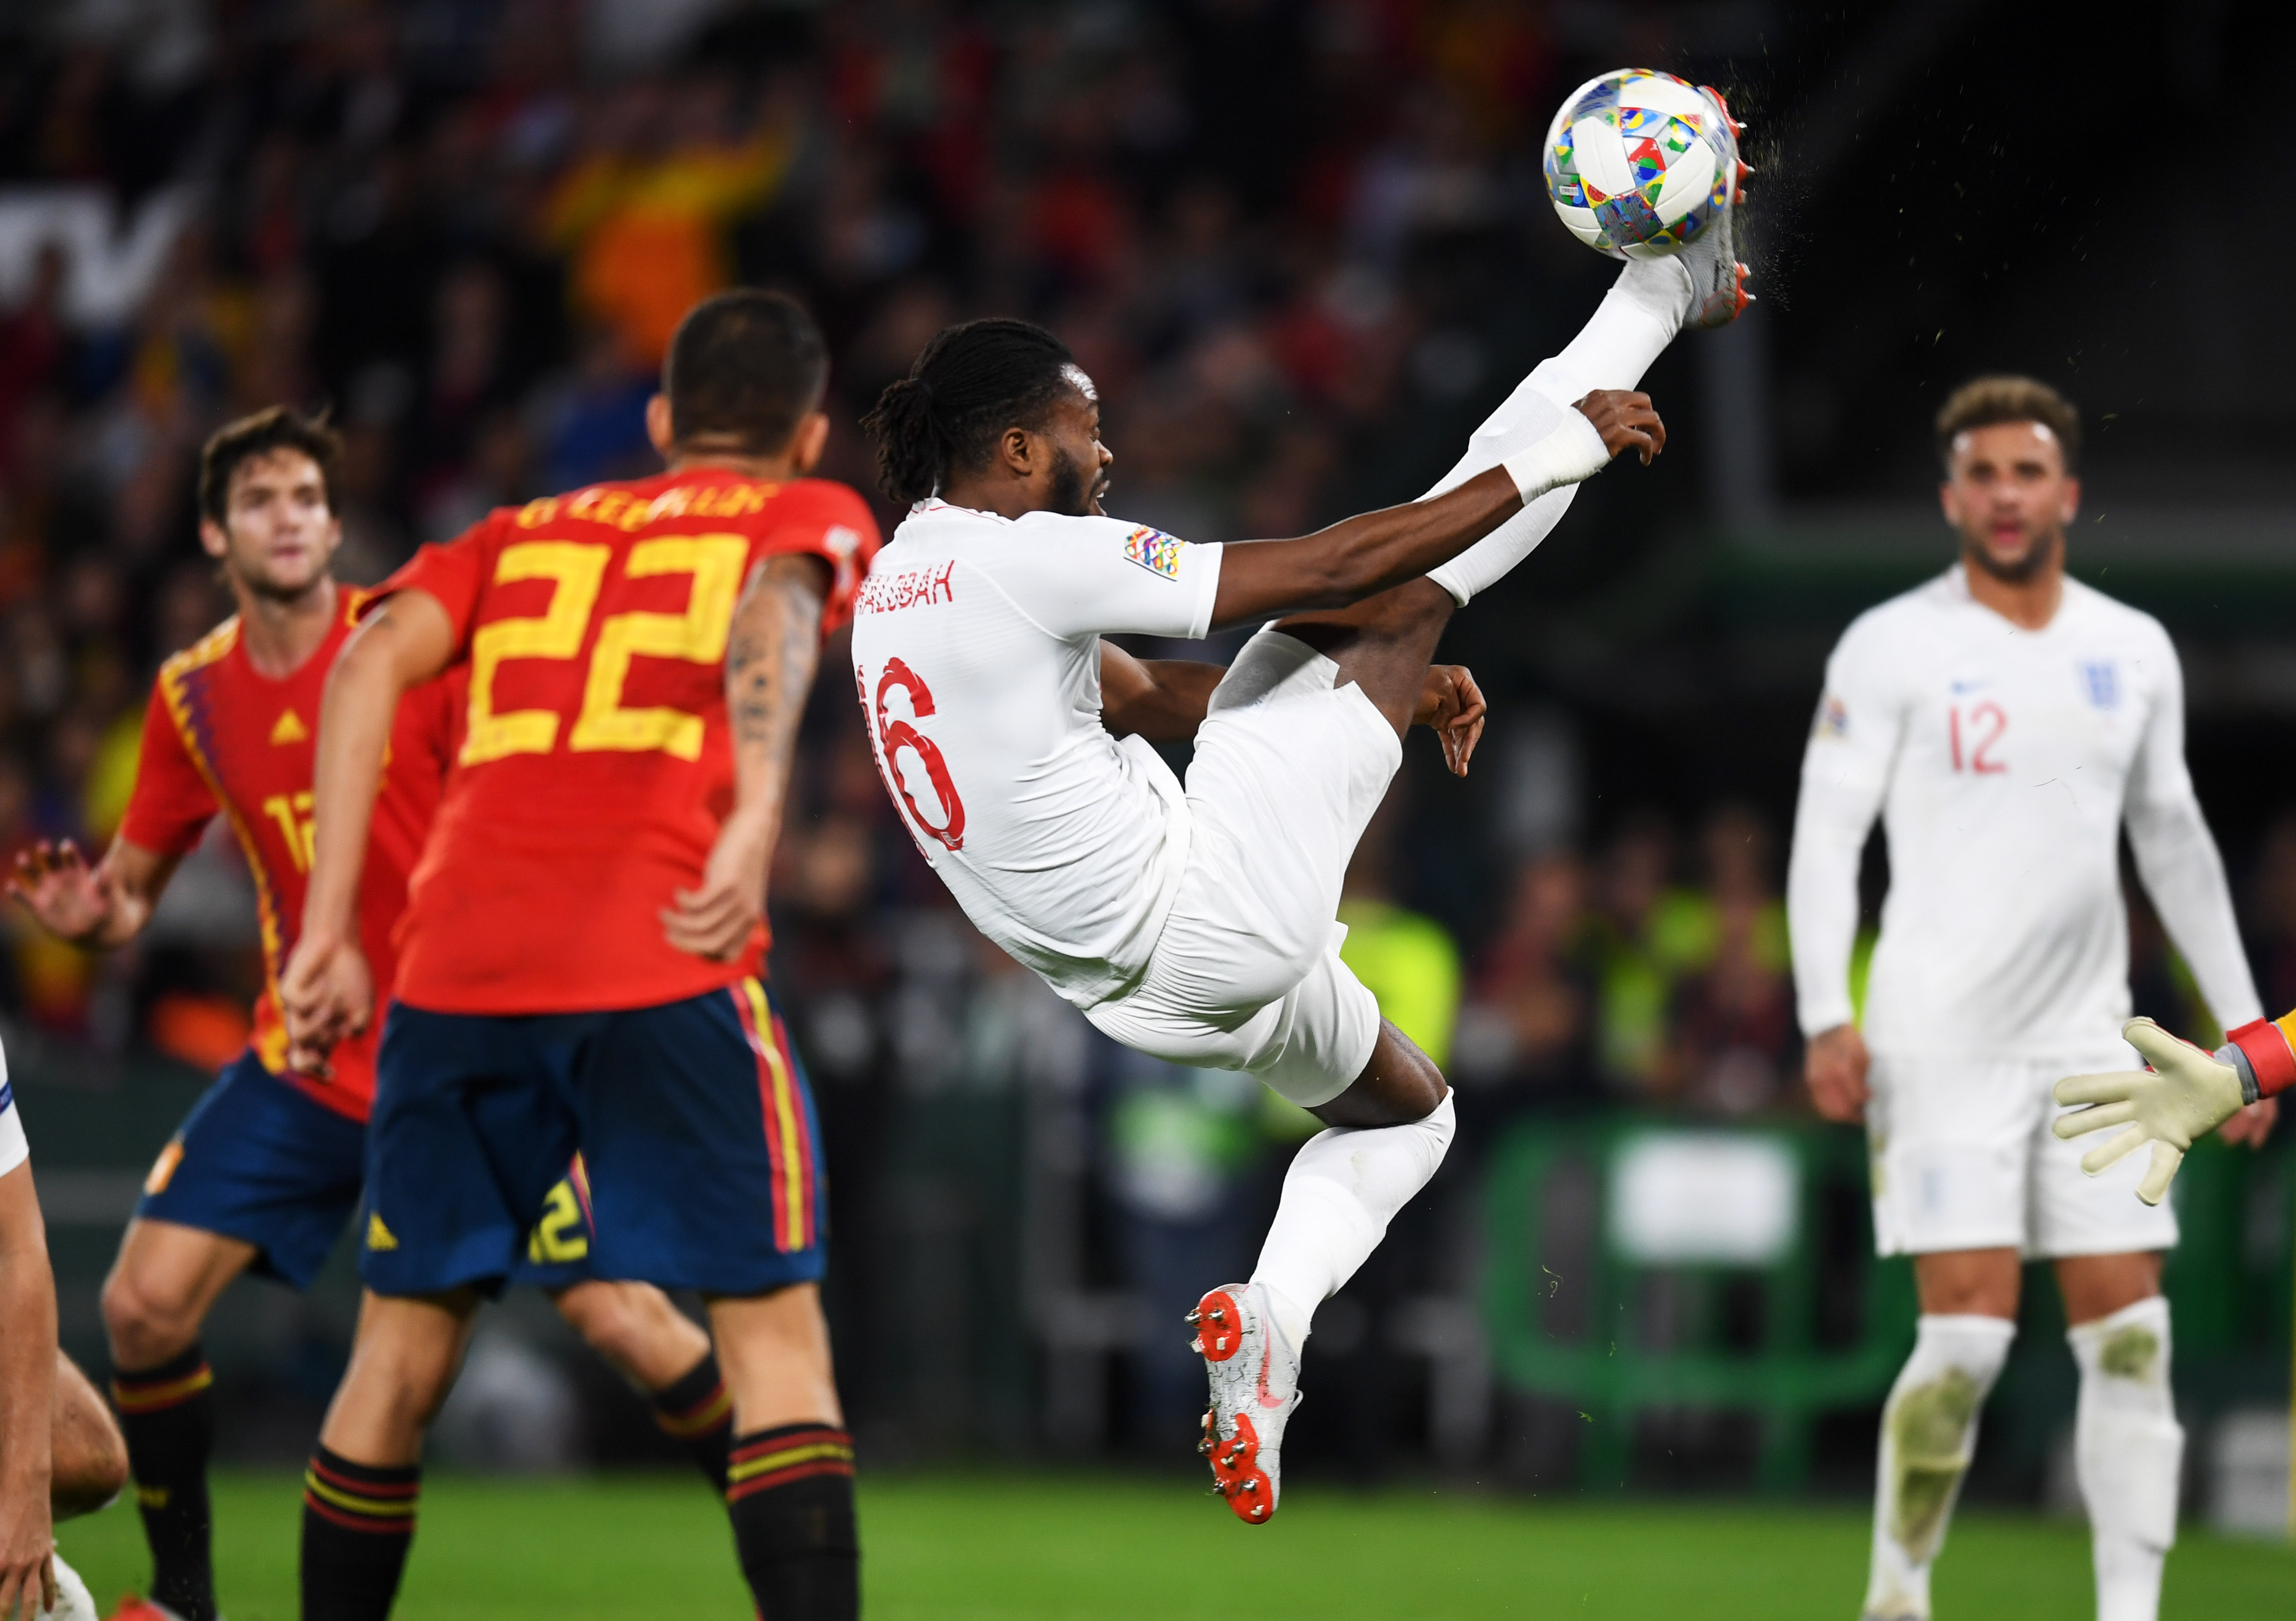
(790, 1492)
(168, 1415)
(695, 1410)
(358, 1522)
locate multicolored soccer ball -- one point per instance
(1636, 163)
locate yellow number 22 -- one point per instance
(578, 570)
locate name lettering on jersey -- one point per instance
(1154, 551)
(290, 729)
(910, 588)
(2101, 679)
(621, 509)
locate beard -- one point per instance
(1068, 493)
(2038, 557)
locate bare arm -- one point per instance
(771, 656)
(1161, 700)
(326, 990)
(99, 908)
(1365, 555)
(1165, 700)
(27, 1375)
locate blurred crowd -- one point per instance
(467, 228)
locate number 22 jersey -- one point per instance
(595, 765)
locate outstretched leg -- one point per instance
(1383, 643)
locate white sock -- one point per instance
(1343, 1188)
(1928, 1433)
(73, 1602)
(1637, 318)
(2128, 1453)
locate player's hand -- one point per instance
(2186, 1094)
(28, 1547)
(716, 920)
(71, 899)
(1452, 705)
(326, 995)
(2253, 1124)
(1625, 420)
(1835, 1067)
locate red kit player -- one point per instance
(266, 1168)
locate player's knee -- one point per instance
(1409, 1084)
(145, 1322)
(89, 1472)
(89, 1456)
(1399, 1086)
(608, 1319)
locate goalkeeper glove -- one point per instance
(2186, 1094)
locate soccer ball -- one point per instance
(1636, 164)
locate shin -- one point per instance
(2127, 1453)
(364, 1478)
(1633, 325)
(1389, 1134)
(1928, 1433)
(789, 1482)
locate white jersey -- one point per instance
(13, 1149)
(976, 645)
(2004, 762)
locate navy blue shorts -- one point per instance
(692, 1120)
(259, 1160)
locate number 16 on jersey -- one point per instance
(894, 735)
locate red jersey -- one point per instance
(595, 766)
(222, 736)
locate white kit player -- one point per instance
(2006, 723)
(61, 1454)
(1196, 923)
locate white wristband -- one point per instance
(1571, 453)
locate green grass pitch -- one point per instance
(1086, 1547)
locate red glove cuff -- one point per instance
(2264, 1045)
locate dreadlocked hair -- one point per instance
(972, 384)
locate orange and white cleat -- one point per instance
(134, 1607)
(1255, 1386)
(1717, 293)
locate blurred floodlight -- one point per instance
(1704, 1199)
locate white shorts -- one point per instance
(1289, 769)
(1963, 1158)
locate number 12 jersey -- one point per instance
(2003, 763)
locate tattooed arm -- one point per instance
(770, 659)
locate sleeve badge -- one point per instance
(1154, 551)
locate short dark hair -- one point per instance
(744, 367)
(971, 383)
(272, 427)
(1983, 402)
